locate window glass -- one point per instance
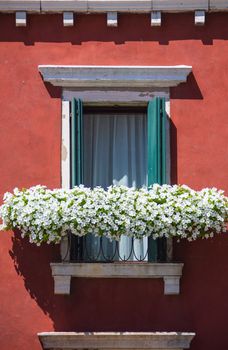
(115, 153)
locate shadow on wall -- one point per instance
(175, 27)
(187, 91)
(33, 264)
(54, 91)
(184, 91)
(130, 305)
(94, 304)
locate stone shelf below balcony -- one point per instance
(169, 272)
(116, 340)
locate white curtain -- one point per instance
(115, 153)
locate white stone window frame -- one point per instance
(103, 97)
(111, 85)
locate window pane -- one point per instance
(115, 150)
(115, 153)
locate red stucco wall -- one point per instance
(30, 154)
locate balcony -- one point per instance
(79, 261)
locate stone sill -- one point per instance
(116, 340)
(127, 6)
(169, 272)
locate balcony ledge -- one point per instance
(169, 272)
(101, 6)
(116, 340)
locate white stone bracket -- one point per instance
(169, 272)
(68, 19)
(112, 19)
(200, 18)
(21, 19)
(62, 285)
(156, 19)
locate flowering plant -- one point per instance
(45, 215)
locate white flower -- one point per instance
(45, 215)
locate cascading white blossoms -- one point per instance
(162, 211)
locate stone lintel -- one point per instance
(114, 76)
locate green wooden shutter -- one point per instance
(76, 150)
(157, 161)
(76, 143)
(157, 127)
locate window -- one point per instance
(134, 85)
(119, 146)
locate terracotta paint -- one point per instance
(30, 136)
